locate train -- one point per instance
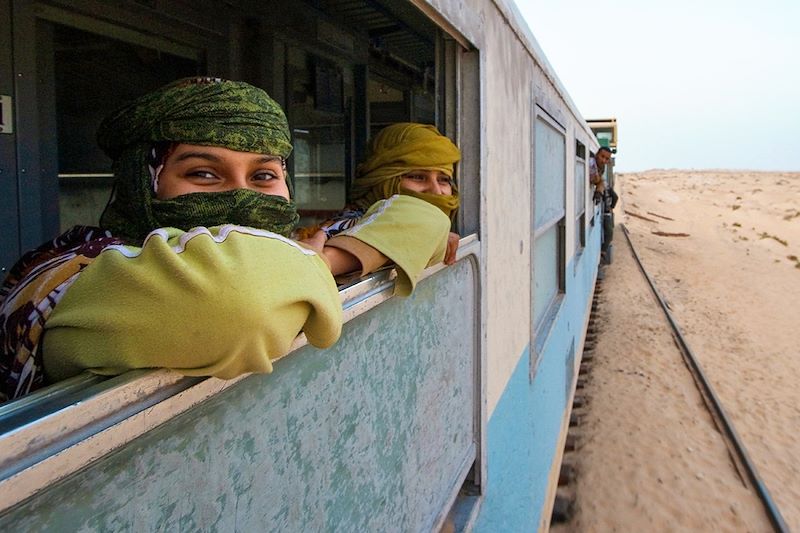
(447, 410)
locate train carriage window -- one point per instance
(549, 220)
(387, 104)
(314, 77)
(316, 110)
(397, 66)
(580, 196)
(93, 75)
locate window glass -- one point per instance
(580, 187)
(549, 204)
(316, 111)
(93, 76)
(545, 272)
(387, 104)
(319, 162)
(580, 232)
(550, 169)
(605, 138)
(580, 202)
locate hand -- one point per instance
(316, 243)
(338, 261)
(452, 248)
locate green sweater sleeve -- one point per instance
(411, 232)
(218, 302)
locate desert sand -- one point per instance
(723, 248)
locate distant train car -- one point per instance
(605, 130)
(449, 407)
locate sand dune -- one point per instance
(723, 248)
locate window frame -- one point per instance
(580, 210)
(543, 324)
(34, 100)
(151, 395)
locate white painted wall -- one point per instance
(513, 81)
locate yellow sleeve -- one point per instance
(218, 302)
(410, 232)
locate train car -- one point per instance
(605, 130)
(445, 409)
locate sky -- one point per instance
(693, 84)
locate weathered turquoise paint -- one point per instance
(365, 436)
(523, 431)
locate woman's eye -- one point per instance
(202, 174)
(445, 181)
(265, 176)
(415, 177)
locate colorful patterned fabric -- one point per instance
(343, 221)
(397, 150)
(202, 111)
(27, 297)
(205, 111)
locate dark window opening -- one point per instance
(93, 76)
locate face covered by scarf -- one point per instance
(199, 111)
(397, 150)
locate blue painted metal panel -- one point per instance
(522, 434)
(369, 435)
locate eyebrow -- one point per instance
(213, 158)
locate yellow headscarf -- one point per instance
(397, 150)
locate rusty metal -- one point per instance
(744, 465)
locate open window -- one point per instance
(341, 70)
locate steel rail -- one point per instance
(744, 465)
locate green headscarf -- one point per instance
(397, 150)
(201, 111)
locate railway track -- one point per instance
(746, 469)
(744, 465)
